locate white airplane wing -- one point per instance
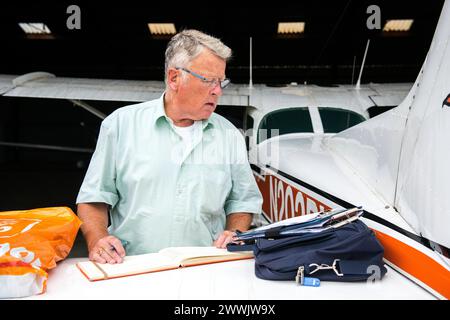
(6, 83)
(47, 85)
(391, 94)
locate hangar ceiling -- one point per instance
(114, 40)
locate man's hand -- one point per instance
(103, 248)
(108, 249)
(235, 221)
(225, 238)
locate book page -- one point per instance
(131, 265)
(196, 255)
(165, 259)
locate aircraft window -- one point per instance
(234, 114)
(291, 120)
(336, 120)
(376, 110)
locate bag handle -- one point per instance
(345, 267)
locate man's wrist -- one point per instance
(233, 230)
(93, 237)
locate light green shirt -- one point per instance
(160, 195)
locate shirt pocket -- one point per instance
(215, 187)
(144, 212)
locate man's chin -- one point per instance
(206, 115)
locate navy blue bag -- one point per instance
(348, 253)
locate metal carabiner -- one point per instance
(324, 266)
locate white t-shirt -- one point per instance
(190, 136)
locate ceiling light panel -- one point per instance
(291, 27)
(162, 28)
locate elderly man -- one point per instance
(170, 172)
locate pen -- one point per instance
(123, 242)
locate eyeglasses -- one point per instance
(211, 83)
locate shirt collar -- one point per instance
(161, 113)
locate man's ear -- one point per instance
(173, 79)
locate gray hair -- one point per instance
(186, 45)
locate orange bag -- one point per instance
(32, 242)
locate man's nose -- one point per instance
(217, 90)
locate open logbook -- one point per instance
(165, 259)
